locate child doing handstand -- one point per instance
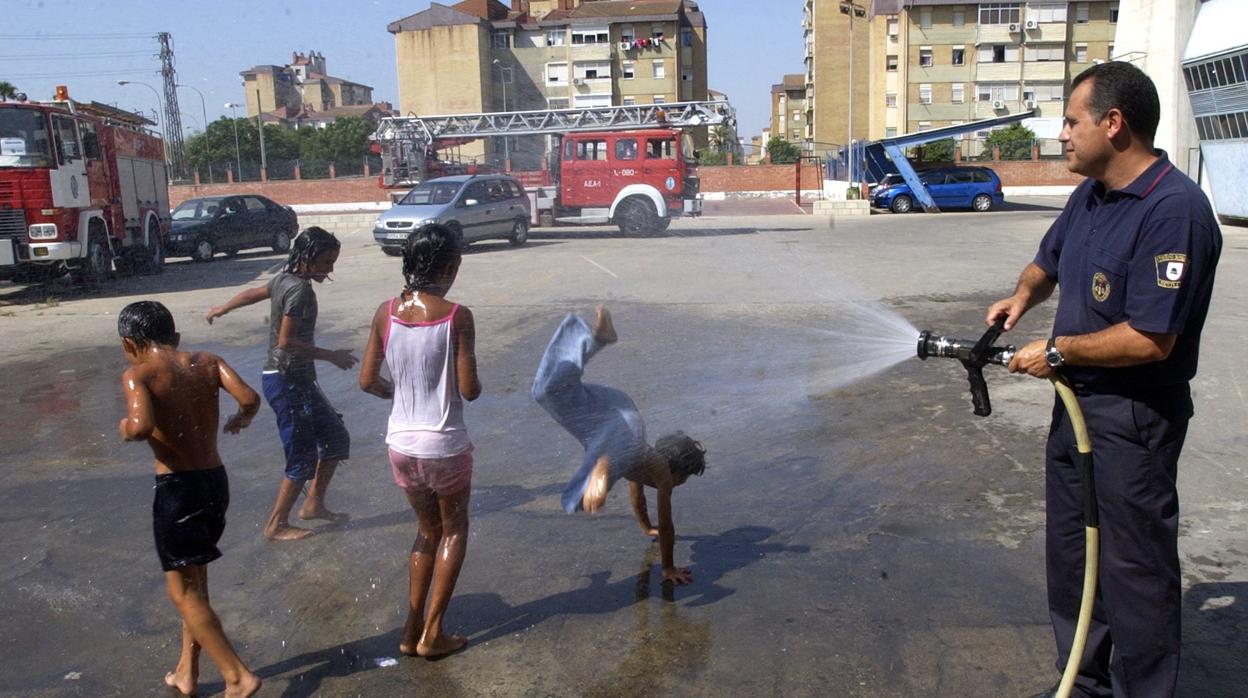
(427, 343)
(611, 430)
(171, 402)
(314, 437)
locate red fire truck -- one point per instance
(633, 166)
(83, 190)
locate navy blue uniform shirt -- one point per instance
(1145, 255)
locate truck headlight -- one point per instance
(43, 231)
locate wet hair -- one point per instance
(309, 244)
(429, 251)
(1122, 86)
(147, 322)
(684, 455)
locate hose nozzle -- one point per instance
(974, 355)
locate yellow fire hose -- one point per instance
(1092, 536)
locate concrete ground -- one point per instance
(855, 534)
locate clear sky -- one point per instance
(91, 44)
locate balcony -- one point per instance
(998, 34)
(997, 72)
(1044, 70)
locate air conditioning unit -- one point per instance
(626, 46)
(998, 104)
(1030, 104)
(578, 81)
(1033, 24)
(1013, 28)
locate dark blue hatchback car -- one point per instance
(977, 188)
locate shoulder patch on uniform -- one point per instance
(1171, 268)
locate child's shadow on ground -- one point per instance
(485, 617)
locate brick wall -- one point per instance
(759, 178)
(341, 190)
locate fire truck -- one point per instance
(633, 166)
(83, 191)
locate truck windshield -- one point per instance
(431, 193)
(24, 138)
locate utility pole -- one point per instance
(238, 158)
(264, 163)
(173, 116)
(502, 78)
(851, 10)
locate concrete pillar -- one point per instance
(368, 171)
(996, 153)
(195, 177)
(298, 171)
(331, 171)
(229, 174)
(264, 174)
(1035, 151)
(729, 157)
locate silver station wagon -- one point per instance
(477, 207)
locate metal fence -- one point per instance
(284, 169)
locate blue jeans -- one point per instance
(310, 427)
(604, 420)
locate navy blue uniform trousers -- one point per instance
(1133, 644)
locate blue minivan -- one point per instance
(976, 188)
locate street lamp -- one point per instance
(851, 10)
(160, 106)
(203, 109)
(234, 120)
(501, 78)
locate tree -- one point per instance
(782, 152)
(7, 90)
(937, 151)
(1015, 141)
(722, 140)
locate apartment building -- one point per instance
(302, 90)
(481, 55)
(933, 63)
(788, 110)
(839, 46)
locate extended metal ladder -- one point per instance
(404, 139)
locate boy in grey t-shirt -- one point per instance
(313, 435)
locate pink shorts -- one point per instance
(445, 476)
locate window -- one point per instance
(660, 99)
(591, 150)
(890, 132)
(925, 93)
(66, 140)
(1113, 13)
(686, 75)
(1043, 92)
(925, 126)
(1045, 52)
(627, 70)
(1046, 12)
(998, 53)
(1081, 53)
(959, 17)
(590, 36)
(890, 99)
(627, 33)
(660, 149)
(797, 134)
(925, 18)
(686, 37)
(993, 91)
(1081, 13)
(626, 149)
(999, 13)
(253, 204)
(893, 28)
(629, 101)
(591, 70)
(925, 57)
(557, 103)
(656, 31)
(555, 37)
(659, 68)
(556, 73)
(959, 56)
(1109, 52)
(958, 95)
(890, 63)
(500, 38)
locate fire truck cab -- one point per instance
(83, 190)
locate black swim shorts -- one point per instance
(188, 516)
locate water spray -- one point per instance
(974, 356)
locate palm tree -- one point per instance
(7, 90)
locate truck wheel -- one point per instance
(664, 222)
(902, 204)
(281, 242)
(204, 250)
(154, 263)
(519, 233)
(97, 267)
(636, 215)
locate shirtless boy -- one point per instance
(171, 402)
(610, 428)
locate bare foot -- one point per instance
(442, 646)
(323, 514)
(287, 532)
(247, 685)
(604, 329)
(184, 684)
(596, 489)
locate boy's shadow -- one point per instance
(1215, 621)
(487, 617)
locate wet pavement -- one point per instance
(870, 538)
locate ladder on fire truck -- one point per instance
(404, 139)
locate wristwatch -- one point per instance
(1052, 356)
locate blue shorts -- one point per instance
(310, 427)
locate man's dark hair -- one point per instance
(684, 455)
(1122, 86)
(308, 245)
(147, 322)
(428, 252)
